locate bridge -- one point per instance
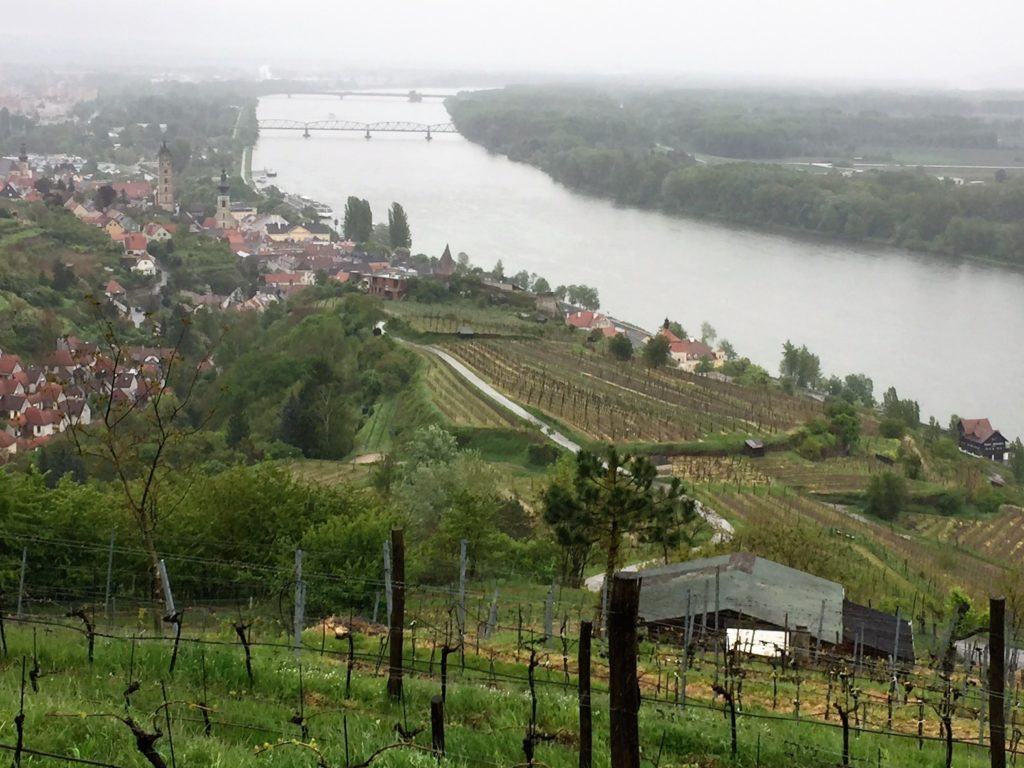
(367, 129)
(409, 95)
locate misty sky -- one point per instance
(909, 42)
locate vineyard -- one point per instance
(608, 401)
(900, 568)
(999, 537)
(461, 317)
(459, 402)
(86, 679)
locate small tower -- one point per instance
(223, 216)
(23, 160)
(165, 179)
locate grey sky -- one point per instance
(928, 42)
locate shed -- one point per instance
(752, 592)
(466, 331)
(876, 631)
(753, 447)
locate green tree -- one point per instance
(617, 491)
(237, 428)
(104, 197)
(540, 285)
(583, 296)
(1017, 460)
(707, 333)
(656, 352)
(799, 365)
(730, 351)
(886, 495)
(358, 223)
(63, 276)
(521, 279)
(620, 347)
(498, 273)
(398, 227)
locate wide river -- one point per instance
(944, 332)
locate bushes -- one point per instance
(887, 495)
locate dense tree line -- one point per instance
(631, 150)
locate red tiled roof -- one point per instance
(341, 277)
(8, 364)
(584, 319)
(135, 241)
(133, 190)
(114, 287)
(693, 350)
(6, 440)
(978, 430)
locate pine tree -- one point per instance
(398, 227)
(358, 224)
(237, 429)
(298, 427)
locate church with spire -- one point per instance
(165, 179)
(223, 215)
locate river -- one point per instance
(944, 332)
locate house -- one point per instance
(135, 244)
(113, 290)
(134, 191)
(388, 285)
(587, 320)
(158, 232)
(10, 366)
(113, 228)
(76, 411)
(12, 406)
(145, 265)
(279, 280)
(39, 422)
(770, 605)
(978, 438)
(688, 353)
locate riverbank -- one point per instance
(888, 313)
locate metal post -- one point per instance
(549, 607)
(821, 630)
(896, 641)
(300, 600)
(21, 579)
(462, 586)
(387, 580)
(110, 574)
(168, 596)
(586, 724)
(997, 681)
(397, 622)
(718, 592)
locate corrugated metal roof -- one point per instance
(753, 586)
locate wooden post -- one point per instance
(622, 658)
(437, 725)
(397, 612)
(586, 728)
(997, 681)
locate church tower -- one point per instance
(23, 168)
(165, 179)
(223, 216)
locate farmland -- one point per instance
(604, 400)
(451, 317)
(999, 537)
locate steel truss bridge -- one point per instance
(367, 129)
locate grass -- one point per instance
(486, 712)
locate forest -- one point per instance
(637, 150)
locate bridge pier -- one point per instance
(429, 137)
(305, 132)
(368, 136)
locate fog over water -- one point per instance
(944, 332)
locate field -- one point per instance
(999, 537)
(461, 403)
(305, 708)
(450, 317)
(607, 401)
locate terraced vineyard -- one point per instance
(461, 403)
(999, 537)
(450, 318)
(932, 568)
(609, 401)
